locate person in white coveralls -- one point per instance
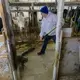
(49, 22)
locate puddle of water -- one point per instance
(1, 44)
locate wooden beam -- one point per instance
(20, 4)
(41, 4)
(10, 44)
(29, 4)
(24, 10)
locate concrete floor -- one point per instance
(69, 64)
(4, 64)
(40, 67)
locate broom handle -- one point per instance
(51, 31)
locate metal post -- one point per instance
(32, 13)
(58, 29)
(7, 25)
(56, 2)
(60, 7)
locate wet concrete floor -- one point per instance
(40, 67)
(69, 64)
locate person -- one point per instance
(49, 22)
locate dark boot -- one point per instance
(39, 53)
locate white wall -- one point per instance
(36, 0)
(41, 0)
